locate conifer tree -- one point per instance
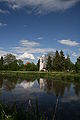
(62, 60)
(56, 61)
(1, 63)
(49, 63)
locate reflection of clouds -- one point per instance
(70, 99)
(23, 91)
(70, 95)
(27, 85)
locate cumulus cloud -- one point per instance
(3, 24)
(22, 56)
(26, 56)
(26, 49)
(69, 42)
(41, 6)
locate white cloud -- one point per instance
(2, 24)
(26, 50)
(29, 43)
(74, 54)
(40, 38)
(22, 50)
(69, 42)
(3, 52)
(26, 56)
(4, 11)
(41, 6)
(41, 50)
(23, 56)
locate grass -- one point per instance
(48, 75)
(12, 113)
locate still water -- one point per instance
(61, 100)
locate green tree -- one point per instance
(49, 63)
(62, 61)
(9, 58)
(38, 64)
(13, 66)
(20, 64)
(77, 65)
(10, 62)
(68, 64)
(1, 63)
(56, 61)
(31, 67)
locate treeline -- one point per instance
(62, 63)
(58, 63)
(9, 62)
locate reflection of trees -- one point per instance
(57, 87)
(77, 89)
(9, 83)
(68, 85)
(1, 82)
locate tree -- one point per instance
(1, 63)
(20, 64)
(31, 67)
(77, 65)
(62, 61)
(67, 63)
(38, 64)
(8, 59)
(56, 61)
(49, 63)
(10, 62)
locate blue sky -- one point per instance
(31, 28)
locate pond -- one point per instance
(59, 100)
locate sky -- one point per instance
(31, 28)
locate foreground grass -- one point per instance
(36, 75)
(13, 113)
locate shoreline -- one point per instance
(47, 75)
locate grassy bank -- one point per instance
(47, 75)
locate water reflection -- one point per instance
(48, 92)
(49, 86)
(26, 85)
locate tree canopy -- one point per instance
(58, 63)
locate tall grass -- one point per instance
(32, 113)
